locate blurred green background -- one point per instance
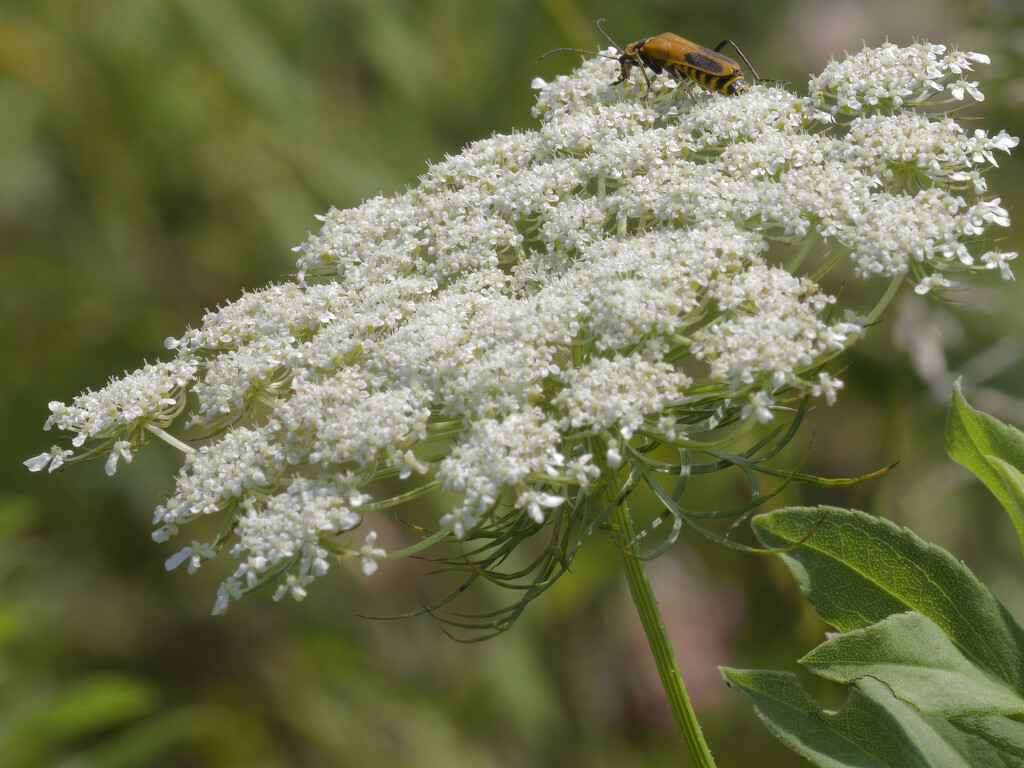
(159, 156)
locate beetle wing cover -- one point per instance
(709, 61)
(673, 49)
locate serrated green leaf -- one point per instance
(941, 741)
(856, 570)
(991, 450)
(859, 735)
(873, 730)
(919, 663)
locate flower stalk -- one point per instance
(658, 640)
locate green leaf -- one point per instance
(942, 742)
(873, 730)
(856, 570)
(1001, 732)
(919, 664)
(1013, 483)
(991, 450)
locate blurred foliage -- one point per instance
(158, 157)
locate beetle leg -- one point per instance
(627, 63)
(644, 61)
(643, 71)
(681, 79)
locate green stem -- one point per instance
(890, 292)
(657, 638)
(170, 439)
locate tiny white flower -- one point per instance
(293, 585)
(229, 590)
(54, 458)
(121, 450)
(613, 456)
(759, 405)
(36, 463)
(960, 87)
(582, 469)
(932, 282)
(1000, 260)
(536, 502)
(164, 532)
(195, 553)
(828, 386)
(409, 463)
(369, 554)
(1004, 141)
(459, 520)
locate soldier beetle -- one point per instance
(683, 60)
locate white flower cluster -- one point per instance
(894, 77)
(547, 297)
(152, 394)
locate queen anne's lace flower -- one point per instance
(547, 306)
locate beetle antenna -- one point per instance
(578, 50)
(606, 37)
(749, 65)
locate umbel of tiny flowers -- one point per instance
(547, 315)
